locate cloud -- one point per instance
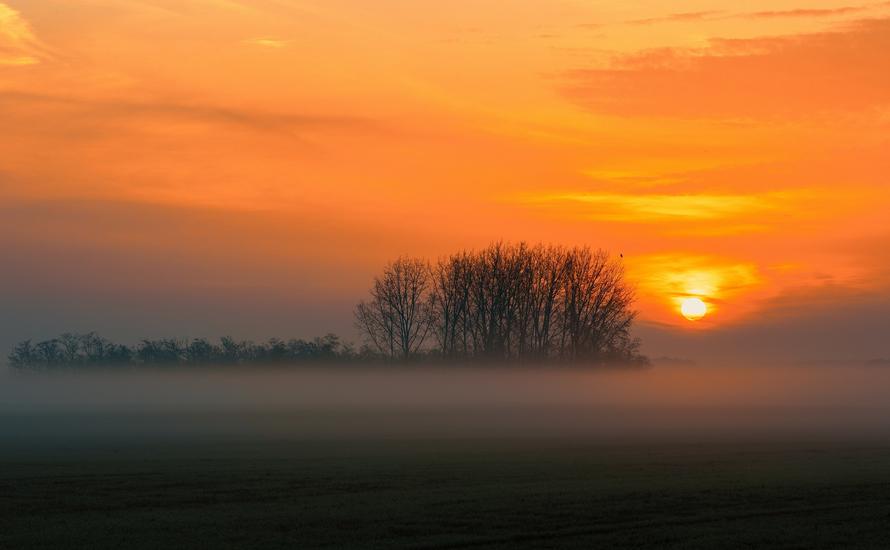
(712, 15)
(676, 276)
(273, 43)
(676, 17)
(18, 44)
(773, 77)
(260, 121)
(806, 12)
(649, 208)
(179, 7)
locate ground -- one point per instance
(531, 492)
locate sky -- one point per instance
(209, 167)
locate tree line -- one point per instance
(91, 350)
(504, 303)
(511, 303)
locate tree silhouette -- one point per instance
(505, 302)
(397, 317)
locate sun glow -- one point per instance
(675, 287)
(693, 308)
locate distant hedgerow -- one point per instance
(80, 350)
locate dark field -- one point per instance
(194, 464)
(438, 494)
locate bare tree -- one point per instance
(549, 271)
(516, 302)
(596, 312)
(373, 318)
(450, 300)
(23, 355)
(397, 318)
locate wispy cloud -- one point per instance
(260, 121)
(807, 12)
(267, 42)
(711, 15)
(676, 17)
(18, 44)
(180, 7)
(647, 208)
(774, 77)
(682, 275)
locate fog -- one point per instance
(702, 402)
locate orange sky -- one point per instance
(284, 149)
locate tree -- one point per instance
(161, 352)
(507, 302)
(232, 351)
(397, 318)
(49, 353)
(71, 348)
(200, 351)
(23, 355)
(450, 302)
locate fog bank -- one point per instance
(705, 401)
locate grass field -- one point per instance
(663, 458)
(416, 493)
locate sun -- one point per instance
(693, 308)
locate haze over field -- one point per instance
(664, 404)
(195, 168)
